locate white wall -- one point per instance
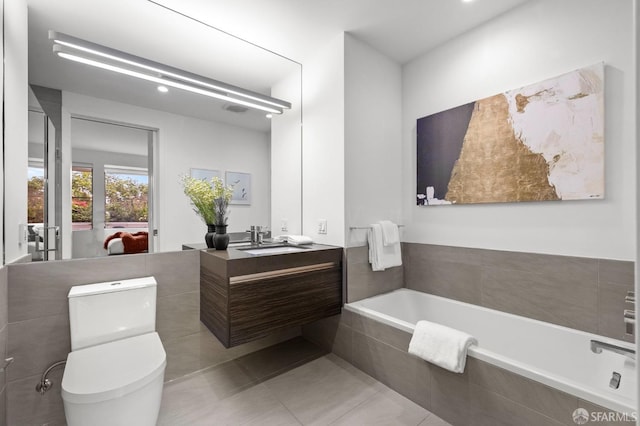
(286, 159)
(2, 134)
(186, 143)
(542, 39)
(16, 129)
(323, 143)
(373, 131)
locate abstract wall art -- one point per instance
(540, 142)
(241, 183)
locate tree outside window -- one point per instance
(126, 199)
(81, 198)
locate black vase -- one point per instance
(208, 237)
(221, 238)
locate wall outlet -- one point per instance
(284, 225)
(322, 226)
(23, 233)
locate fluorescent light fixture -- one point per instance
(76, 49)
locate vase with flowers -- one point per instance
(210, 200)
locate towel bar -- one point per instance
(367, 227)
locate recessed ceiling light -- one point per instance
(467, 1)
(163, 89)
(269, 115)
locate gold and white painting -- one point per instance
(540, 142)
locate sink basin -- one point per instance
(272, 249)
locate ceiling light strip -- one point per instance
(165, 70)
(160, 80)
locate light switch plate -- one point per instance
(322, 226)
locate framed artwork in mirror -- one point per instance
(241, 183)
(205, 174)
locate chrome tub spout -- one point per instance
(598, 346)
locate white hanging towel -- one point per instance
(382, 257)
(390, 234)
(440, 345)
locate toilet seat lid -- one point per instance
(113, 369)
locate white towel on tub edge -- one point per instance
(441, 345)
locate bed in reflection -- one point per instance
(123, 242)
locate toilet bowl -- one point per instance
(115, 372)
(117, 383)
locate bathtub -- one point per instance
(556, 356)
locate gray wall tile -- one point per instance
(176, 272)
(536, 396)
(611, 308)
(582, 293)
(178, 315)
(386, 334)
(25, 406)
(450, 396)
(3, 406)
(490, 409)
(363, 282)
(4, 340)
(543, 264)
(460, 281)
(566, 300)
(616, 271)
(40, 289)
(37, 343)
(331, 334)
(4, 296)
(397, 369)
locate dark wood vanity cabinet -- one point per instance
(243, 297)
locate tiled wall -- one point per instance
(38, 323)
(363, 282)
(4, 333)
(482, 395)
(582, 293)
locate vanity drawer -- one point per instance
(283, 299)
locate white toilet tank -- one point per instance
(114, 310)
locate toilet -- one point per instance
(115, 370)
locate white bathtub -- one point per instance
(557, 356)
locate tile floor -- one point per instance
(292, 383)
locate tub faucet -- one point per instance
(597, 347)
(629, 314)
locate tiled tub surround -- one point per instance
(362, 282)
(582, 293)
(483, 395)
(557, 356)
(38, 323)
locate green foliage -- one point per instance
(209, 199)
(35, 200)
(81, 196)
(126, 199)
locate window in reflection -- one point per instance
(81, 197)
(126, 198)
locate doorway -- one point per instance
(111, 188)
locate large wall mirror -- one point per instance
(107, 150)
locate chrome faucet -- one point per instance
(257, 234)
(597, 347)
(630, 314)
